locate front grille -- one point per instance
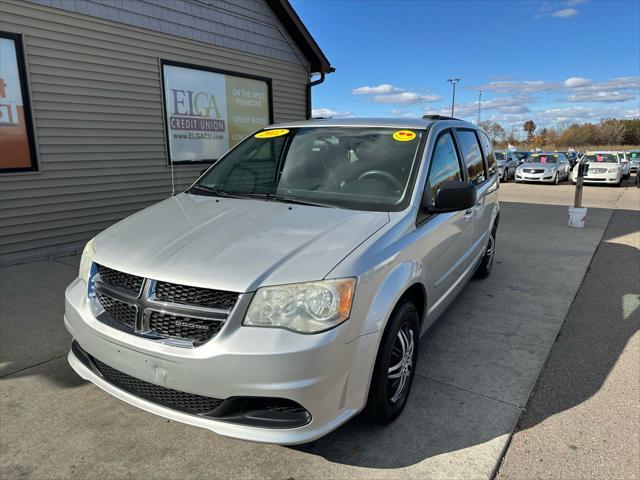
(185, 402)
(156, 309)
(118, 310)
(534, 170)
(121, 280)
(198, 330)
(204, 297)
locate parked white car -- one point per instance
(604, 167)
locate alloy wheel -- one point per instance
(399, 374)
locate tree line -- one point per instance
(612, 132)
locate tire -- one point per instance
(486, 264)
(388, 396)
(556, 180)
(505, 176)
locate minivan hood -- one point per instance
(234, 244)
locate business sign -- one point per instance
(16, 137)
(207, 112)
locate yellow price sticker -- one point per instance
(278, 132)
(404, 135)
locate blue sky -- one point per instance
(550, 61)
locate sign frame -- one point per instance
(172, 63)
(26, 104)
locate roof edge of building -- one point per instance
(303, 38)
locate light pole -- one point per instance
(479, 106)
(453, 82)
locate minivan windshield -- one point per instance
(600, 158)
(359, 168)
(542, 158)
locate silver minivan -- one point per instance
(286, 290)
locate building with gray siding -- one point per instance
(95, 104)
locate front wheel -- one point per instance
(395, 365)
(556, 180)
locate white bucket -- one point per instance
(577, 216)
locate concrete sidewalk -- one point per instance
(477, 367)
(583, 418)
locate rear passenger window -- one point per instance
(488, 153)
(445, 166)
(472, 156)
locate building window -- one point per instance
(209, 111)
(17, 146)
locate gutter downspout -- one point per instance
(313, 84)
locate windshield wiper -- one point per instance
(288, 199)
(214, 191)
(265, 196)
(299, 201)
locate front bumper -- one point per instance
(545, 177)
(323, 373)
(602, 178)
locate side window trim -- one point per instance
(484, 159)
(461, 164)
(427, 184)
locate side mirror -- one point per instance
(453, 197)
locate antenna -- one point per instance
(173, 182)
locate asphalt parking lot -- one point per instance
(478, 366)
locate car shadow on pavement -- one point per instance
(441, 418)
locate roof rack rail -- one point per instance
(438, 117)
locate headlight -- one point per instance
(613, 170)
(302, 307)
(86, 261)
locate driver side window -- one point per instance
(445, 165)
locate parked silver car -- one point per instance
(626, 164)
(634, 160)
(507, 164)
(546, 167)
(286, 290)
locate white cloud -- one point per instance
(390, 94)
(328, 112)
(527, 86)
(556, 116)
(565, 13)
(618, 89)
(573, 82)
(376, 90)
(558, 9)
(403, 113)
(505, 105)
(605, 97)
(406, 98)
(515, 109)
